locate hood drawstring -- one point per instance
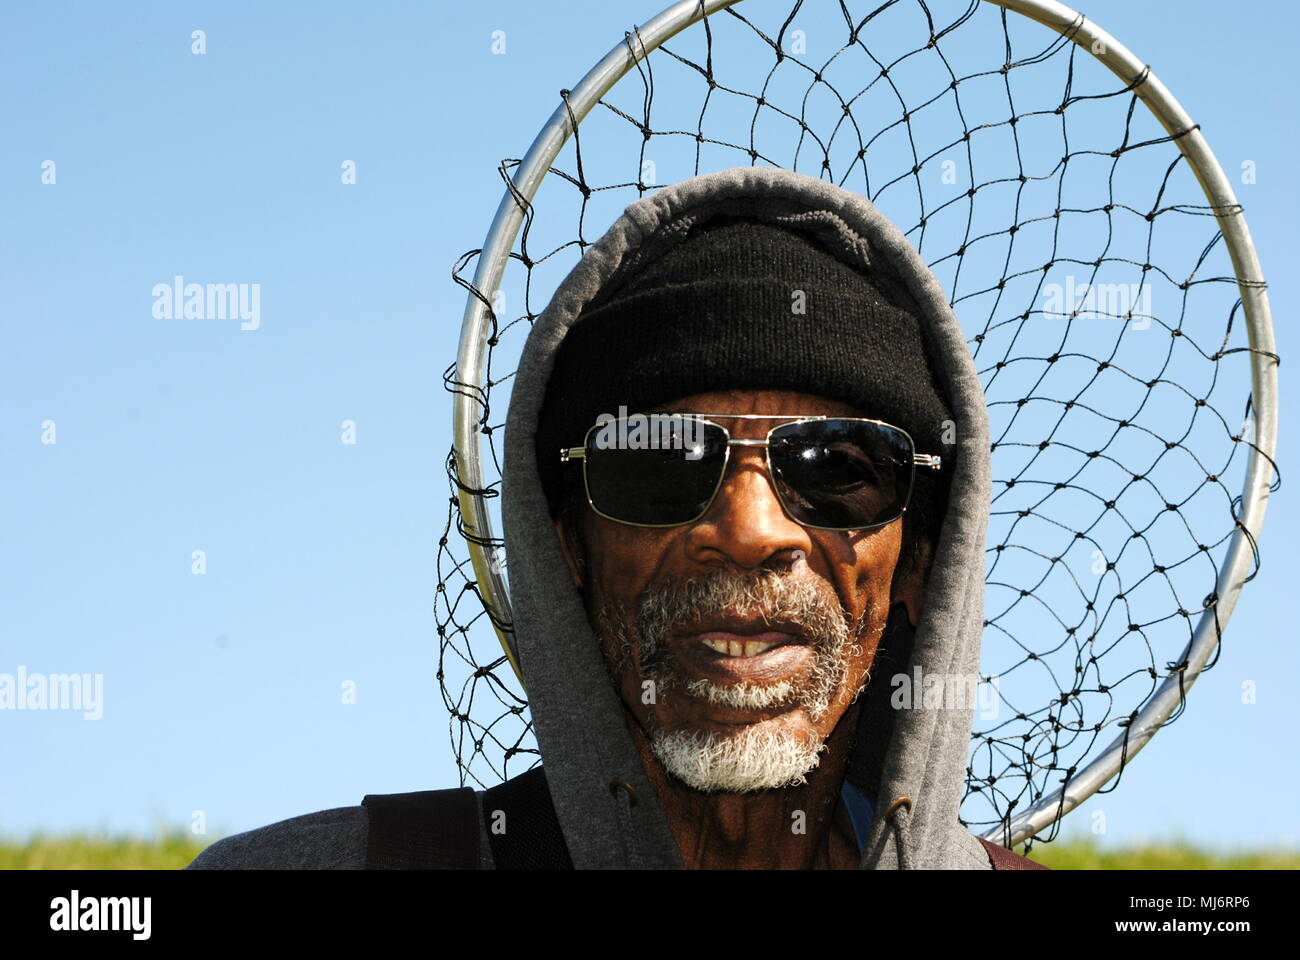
(625, 797)
(899, 816)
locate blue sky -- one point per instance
(222, 691)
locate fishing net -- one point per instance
(1085, 267)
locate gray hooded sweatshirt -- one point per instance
(576, 711)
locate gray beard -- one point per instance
(752, 759)
(759, 756)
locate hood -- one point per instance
(589, 757)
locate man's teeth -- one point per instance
(740, 648)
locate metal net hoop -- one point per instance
(1112, 300)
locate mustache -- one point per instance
(672, 606)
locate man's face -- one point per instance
(739, 641)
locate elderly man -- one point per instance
(745, 487)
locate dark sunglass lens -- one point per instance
(654, 470)
(846, 474)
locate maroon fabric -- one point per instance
(1004, 859)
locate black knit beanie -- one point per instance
(740, 304)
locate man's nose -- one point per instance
(745, 524)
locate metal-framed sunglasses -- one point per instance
(830, 473)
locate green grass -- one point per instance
(173, 850)
(1076, 853)
(166, 851)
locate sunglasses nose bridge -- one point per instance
(746, 521)
(748, 474)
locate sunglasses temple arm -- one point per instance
(572, 453)
(933, 461)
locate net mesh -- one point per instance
(1090, 278)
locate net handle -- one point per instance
(468, 410)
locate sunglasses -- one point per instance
(831, 473)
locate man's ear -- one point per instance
(571, 547)
(910, 588)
